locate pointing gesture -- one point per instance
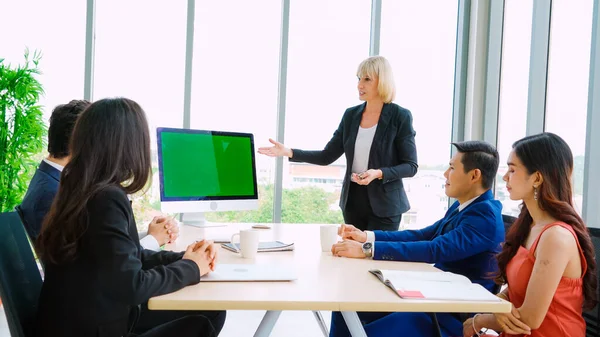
(277, 150)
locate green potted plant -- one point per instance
(22, 128)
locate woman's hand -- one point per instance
(511, 323)
(366, 177)
(468, 330)
(210, 249)
(203, 253)
(278, 150)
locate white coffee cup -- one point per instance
(249, 239)
(329, 237)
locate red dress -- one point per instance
(564, 317)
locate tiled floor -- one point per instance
(244, 323)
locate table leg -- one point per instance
(268, 322)
(353, 323)
(437, 332)
(321, 323)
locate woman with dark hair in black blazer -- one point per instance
(379, 142)
(96, 272)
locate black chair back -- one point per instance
(20, 278)
(592, 317)
(508, 221)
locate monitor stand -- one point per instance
(197, 219)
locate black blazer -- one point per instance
(393, 152)
(39, 197)
(93, 295)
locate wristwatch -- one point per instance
(367, 248)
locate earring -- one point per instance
(535, 193)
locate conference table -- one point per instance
(324, 282)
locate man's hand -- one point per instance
(199, 255)
(348, 248)
(349, 232)
(164, 229)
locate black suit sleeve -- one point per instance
(332, 151)
(117, 258)
(151, 259)
(406, 150)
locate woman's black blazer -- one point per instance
(393, 152)
(93, 295)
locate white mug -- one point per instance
(329, 237)
(249, 239)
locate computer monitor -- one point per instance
(205, 171)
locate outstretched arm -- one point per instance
(332, 151)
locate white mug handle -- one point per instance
(233, 242)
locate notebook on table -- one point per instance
(433, 286)
(271, 246)
(249, 273)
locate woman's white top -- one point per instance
(362, 148)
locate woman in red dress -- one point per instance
(547, 261)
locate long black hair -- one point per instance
(550, 155)
(110, 146)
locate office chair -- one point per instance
(508, 221)
(20, 279)
(592, 317)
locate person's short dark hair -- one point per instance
(62, 122)
(480, 155)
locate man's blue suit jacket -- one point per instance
(38, 199)
(464, 242)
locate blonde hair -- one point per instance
(379, 67)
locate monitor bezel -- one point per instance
(163, 198)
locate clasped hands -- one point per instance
(164, 229)
(509, 323)
(365, 178)
(204, 254)
(351, 244)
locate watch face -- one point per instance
(367, 245)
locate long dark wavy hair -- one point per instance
(550, 155)
(110, 146)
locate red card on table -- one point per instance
(410, 294)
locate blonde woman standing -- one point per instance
(378, 140)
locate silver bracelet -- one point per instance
(479, 333)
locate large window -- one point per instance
(328, 40)
(140, 54)
(419, 40)
(514, 84)
(568, 76)
(234, 85)
(59, 36)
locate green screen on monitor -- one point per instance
(206, 165)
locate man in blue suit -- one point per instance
(44, 184)
(465, 241)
